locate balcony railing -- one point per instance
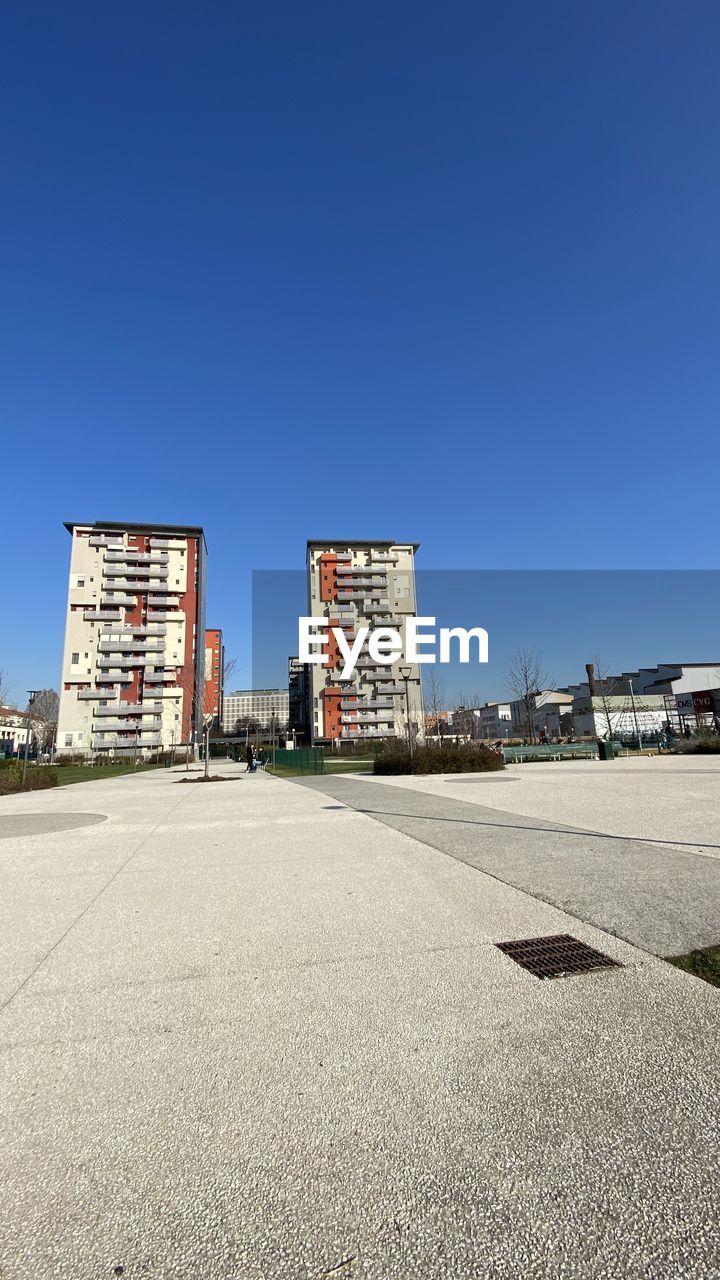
(86, 695)
(130, 630)
(129, 708)
(129, 556)
(165, 600)
(113, 571)
(127, 644)
(106, 540)
(148, 726)
(102, 615)
(108, 661)
(127, 743)
(159, 677)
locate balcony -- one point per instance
(106, 540)
(125, 743)
(164, 600)
(159, 677)
(130, 630)
(86, 695)
(363, 732)
(376, 606)
(102, 615)
(129, 708)
(127, 644)
(118, 599)
(384, 557)
(369, 704)
(391, 688)
(115, 676)
(150, 726)
(114, 571)
(116, 660)
(129, 556)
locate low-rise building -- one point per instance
(551, 714)
(13, 731)
(623, 716)
(256, 708)
(495, 720)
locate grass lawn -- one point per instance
(68, 773)
(703, 964)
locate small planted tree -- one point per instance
(526, 679)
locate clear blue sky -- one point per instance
(238, 239)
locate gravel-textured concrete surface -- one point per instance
(661, 897)
(248, 1034)
(669, 799)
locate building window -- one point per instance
(68, 739)
(75, 657)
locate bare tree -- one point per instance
(229, 668)
(526, 679)
(606, 687)
(4, 689)
(434, 697)
(44, 715)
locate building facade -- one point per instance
(353, 584)
(551, 714)
(299, 701)
(214, 675)
(13, 731)
(495, 720)
(256, 708)
(133, 661)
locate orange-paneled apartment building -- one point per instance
(353, 584)
(134, 660)
(214, 675)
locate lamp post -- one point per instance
(405, 674)
(32, 694)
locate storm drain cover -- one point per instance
(556, 956)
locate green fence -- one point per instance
(302, 759)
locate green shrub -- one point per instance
(462, 758)
(39, 778)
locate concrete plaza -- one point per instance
(261, 1028)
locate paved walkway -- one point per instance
(250, 1034)
(662, 897)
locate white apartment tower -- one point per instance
(133, 663)
(353, 584)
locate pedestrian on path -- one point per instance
(250, 759)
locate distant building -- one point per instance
(298, 700)
(495, 720)
(362, 583)
(134, 661)
(619, 715)
(438, 723)
(551, 714)
(256, 708)
(13, 731)
(688, 693)
(690, 690)
(214, 675)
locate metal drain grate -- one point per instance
(556, 956)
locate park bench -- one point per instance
(550, 751)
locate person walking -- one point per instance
(249, 758)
